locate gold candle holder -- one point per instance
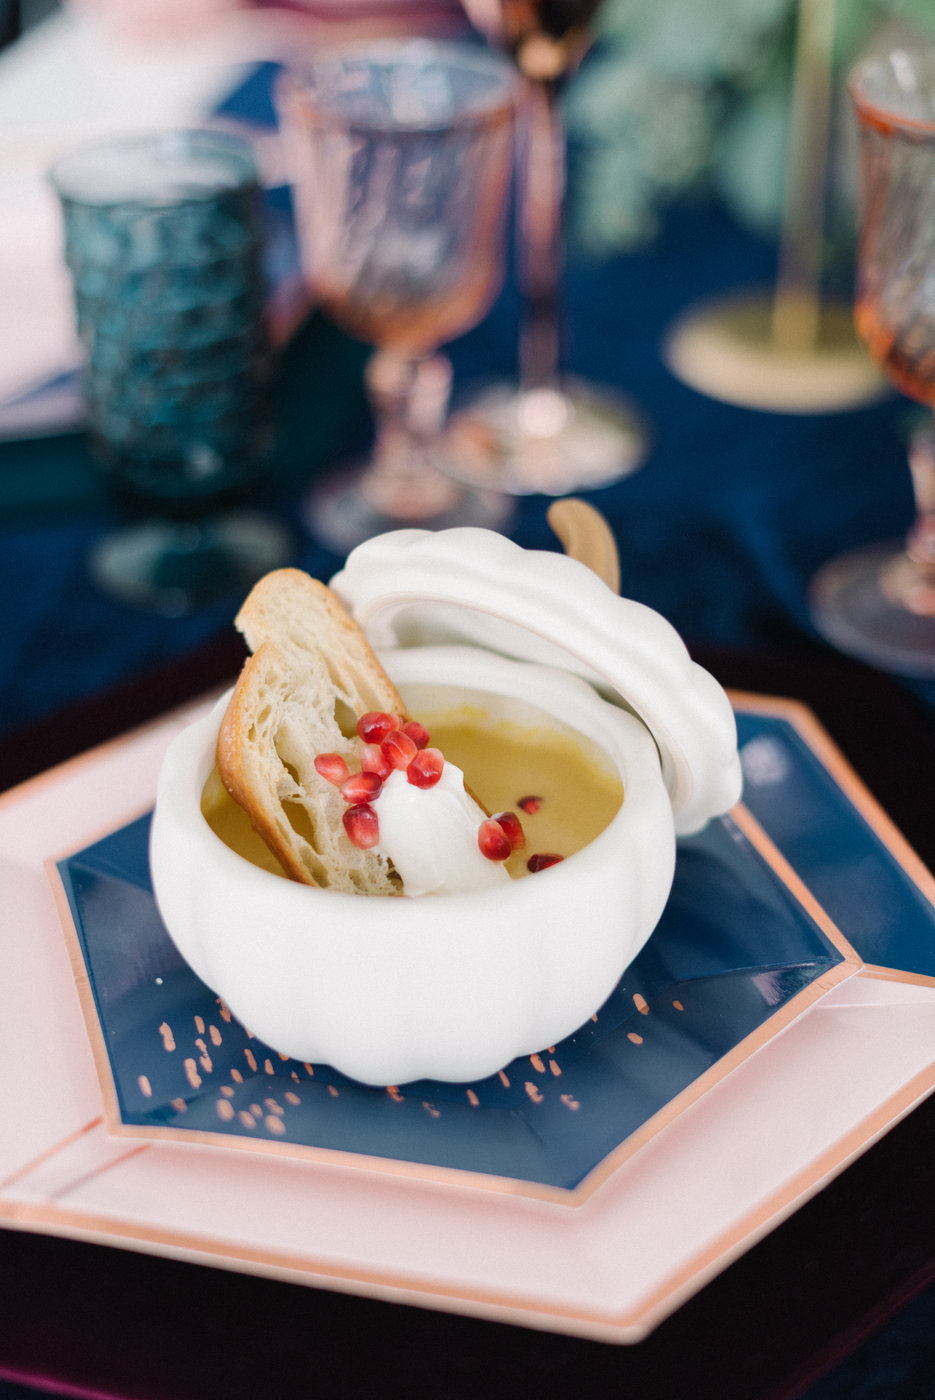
(787, 350)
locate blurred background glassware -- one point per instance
(401, 158)
(164, 242)
(792, 348)
(550, 432)
(879, 602)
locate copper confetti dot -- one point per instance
(227, 1091)
(637, 1039)
(168, 1039)
(256, 1110)
(309, 1070)
(555, 1067)
(224, 1010)
(536, 1062)
(215, 1035)
(236, 1076)
(290, 1097)
(180, 1105)
(395, 1095)
(225, 1110)
(571, 1102)
(250, 1058)
(146, 1089)
(472, 1098)
(678, 1006)
(641, 1004)
(274, 1107)
(430, 1109)
(192, 1075)
(275, 1125)
(504, 1080)
(247, 1119)
(533, 1092)
(333, 1091)
(268, 1066)
(200, 1025)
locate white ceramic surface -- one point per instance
(454, 987)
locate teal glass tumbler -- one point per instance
(164, 239)
(164, 242)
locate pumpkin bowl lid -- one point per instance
(419, 587)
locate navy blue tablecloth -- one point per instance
(730, 516)
(720, 530)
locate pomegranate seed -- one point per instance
(426, 768)
(529, 804)
(362, 826)
(493, 840)
(374, 726)
(542, 861)
(398, 749)
(513, 828)
(417, 732)
(362, 787)
(373, 760)
(332, 767)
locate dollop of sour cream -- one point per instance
(430, 835)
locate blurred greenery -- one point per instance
(686, 97)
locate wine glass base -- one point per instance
(177, 567)
(544, 441)
(849, 606)
(338, 513)
(728, 351)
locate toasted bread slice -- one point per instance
(311, 676)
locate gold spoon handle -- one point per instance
(586, 536)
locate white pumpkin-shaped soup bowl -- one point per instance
(454, 986)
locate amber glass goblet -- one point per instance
(548, 432)
(878, 602)
(401, 158)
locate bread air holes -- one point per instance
(298, 819)
(345, 719)
(259, 724)
(284, 745)
(291, 770)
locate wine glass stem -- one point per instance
(908, 578)
(409, 396)
(920, 542)
(542, 191)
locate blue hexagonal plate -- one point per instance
(734, 949)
